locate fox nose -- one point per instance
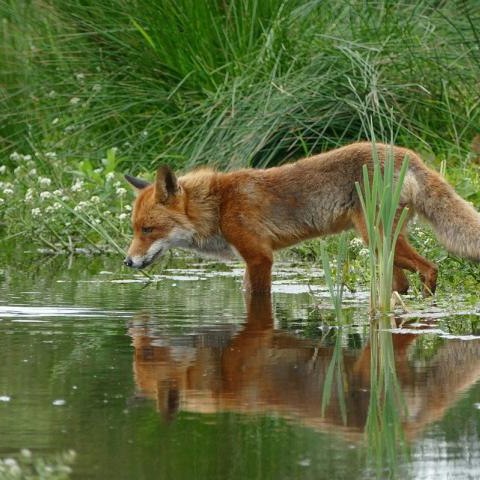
(128, 262)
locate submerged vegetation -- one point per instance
(92, 89)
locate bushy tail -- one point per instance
(455, 221)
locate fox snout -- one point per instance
(128, 262)
(141, 258)
(141, 261)
(135, 263)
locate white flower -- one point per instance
(7, 191)
(96, 88)
(3, 169)
(128, 208)
(77, 186)
(10, 462)
(36, 212)
(364, 252)
(65, 198)
(45, 195)
(57, 193)
(33, 172)
(15, 156)
(2, 201)
(44, 181)
(17, 170)
(55, 121)
(98, 170)
(53, 208)
(80, 77)
(145, 134)
(80, 206)
(121, 191)
(110, 176)
(95, 199)
(356, 243)
(27, 158)
(29, 195)
(74, 101)
(123, 216)
(26, 453)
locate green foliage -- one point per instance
(234, 83)
(76, 206)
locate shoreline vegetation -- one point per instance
(94, 89)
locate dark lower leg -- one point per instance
(407, 257)
(400, 281)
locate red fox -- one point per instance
(254, 212)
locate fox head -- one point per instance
(159, 218)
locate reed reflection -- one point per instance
(257, 369)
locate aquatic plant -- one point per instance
(380, 199)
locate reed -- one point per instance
(379, 196)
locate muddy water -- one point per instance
(183, 379)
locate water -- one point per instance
(182, 379)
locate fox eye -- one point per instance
(146, 230)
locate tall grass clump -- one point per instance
(380, 199)
(234, 83)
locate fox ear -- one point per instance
(138, 183)
(166, 184)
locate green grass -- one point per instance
(234, 83)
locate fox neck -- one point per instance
(201, 206)
(202, 202)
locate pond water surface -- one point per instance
(184, 379)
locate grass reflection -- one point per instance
(384, 432)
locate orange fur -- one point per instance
(254, 212)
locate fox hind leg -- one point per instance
(400, 281)
(408, 258)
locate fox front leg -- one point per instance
(258, 275)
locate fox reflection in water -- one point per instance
(262, 370)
